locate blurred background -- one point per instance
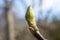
(47, 15)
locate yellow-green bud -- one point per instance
(30, 18)
(32, 24)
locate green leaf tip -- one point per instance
(29, 14)
(30, 18)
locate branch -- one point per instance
(32, 24)
(10, 21)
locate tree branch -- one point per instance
(32, 24)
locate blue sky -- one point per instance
(53, 5)
(49, 8)
(20, 7)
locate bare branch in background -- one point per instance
(10, 22)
